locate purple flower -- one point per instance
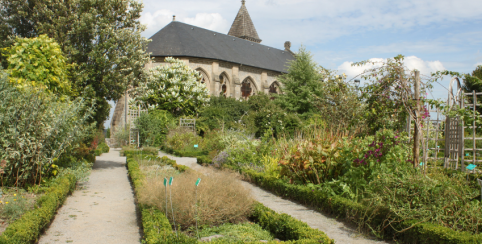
(396, 137)
(378, 150)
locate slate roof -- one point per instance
(243, 26)
(182, 40)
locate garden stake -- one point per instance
(170, 196)
(165, 193)
(480, 183)
(197, 183)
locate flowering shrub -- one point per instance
(173, 87)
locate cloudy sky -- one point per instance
(432, 34)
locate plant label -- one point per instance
(170, 181)
(196, 146)
(471, 166)
(198, 181)
(165, 181)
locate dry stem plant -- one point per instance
(221, 198)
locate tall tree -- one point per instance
(302, 85)
(474, 83)
(101, 38)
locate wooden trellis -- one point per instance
(134, 137)
(453, 130)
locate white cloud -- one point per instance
(157, 20)
(210, 21)
(411, 62)
(477, 64)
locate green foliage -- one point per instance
(38, 62)
(15, 207)
(181, 139)
(232, 233)
(174, 87)
(340, 106)
(102, 148)
(154, 126)
(388, 95)
(35, 130)
(415, 231)
(302, 85)
(268, 116)
(286, 227)
(27, 229)
(101, 40)
(222, 113)
(107, 133)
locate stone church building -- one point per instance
(233, 65)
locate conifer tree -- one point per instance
(302, 85)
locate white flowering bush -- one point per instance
(173, 87)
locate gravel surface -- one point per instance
(334, 228)
(101, 211)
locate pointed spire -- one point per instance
(243, 26)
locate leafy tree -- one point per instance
(101, 37)
(474, 83)
(302, 85)
(38, 62)
(174, 87)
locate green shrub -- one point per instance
(153, 127)
(268, 116)
(222, 113)
(27, 229)
(102, 148)
(181, 139)
(245, 232)
(38, 62)
(35, 130)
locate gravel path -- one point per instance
(335, 229)
(102, 211)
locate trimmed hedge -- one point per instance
(102, 148)
(342, 207)
(27, 229)
(157, 228)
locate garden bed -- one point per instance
(261, 221)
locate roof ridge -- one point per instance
(243, 26)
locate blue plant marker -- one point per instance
(421, 163)
(170, 181)
(196, 146)
(471, 166)
(198, 181)
(467, 154)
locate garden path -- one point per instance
(335, 229)
(101, 211)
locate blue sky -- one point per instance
(432, 34)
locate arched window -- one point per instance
(246, 89)
(274, 89)
(204, 78)
(223, 80)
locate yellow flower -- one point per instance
(15, 199)
(14, 195)
(6, 202)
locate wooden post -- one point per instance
(416, 134)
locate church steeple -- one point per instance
(243, 26)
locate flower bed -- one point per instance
(27, 228)
(157, 228)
